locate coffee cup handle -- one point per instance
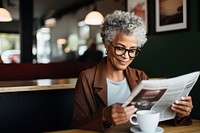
(134, 122)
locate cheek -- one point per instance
(110, 52)
(130, 61)
(111, 56)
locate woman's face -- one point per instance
(121, 62)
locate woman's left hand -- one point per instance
(183, 107)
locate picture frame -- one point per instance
(171, 15)
(140, 8)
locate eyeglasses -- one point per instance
(121, 51)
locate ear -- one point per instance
(106, 46)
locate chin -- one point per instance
(122, 67)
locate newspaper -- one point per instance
(159, 94)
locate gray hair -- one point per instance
(123, 22)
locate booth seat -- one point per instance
(30, 71)
(36, 111)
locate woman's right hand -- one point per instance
(117, 114)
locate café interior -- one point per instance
(42, 42)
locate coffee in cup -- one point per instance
(147, 120)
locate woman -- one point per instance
(100, 90)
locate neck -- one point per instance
(114, 74)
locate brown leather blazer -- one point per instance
(91, 95)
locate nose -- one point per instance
(126, 54)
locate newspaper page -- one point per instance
(159, 94)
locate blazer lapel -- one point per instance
(100, 82)
(131, 78)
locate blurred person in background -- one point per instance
(91, 54)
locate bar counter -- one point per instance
(37, 85)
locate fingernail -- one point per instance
(182, 98)
(135, 109)
(177, 101)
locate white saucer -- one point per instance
(136, 129)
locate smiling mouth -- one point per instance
(123, 62)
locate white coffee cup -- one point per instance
(147, 120)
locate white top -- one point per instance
(118, 92)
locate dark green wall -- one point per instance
(173, 53)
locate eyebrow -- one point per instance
(124, 45)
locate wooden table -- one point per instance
(194, 128)
(35, 85)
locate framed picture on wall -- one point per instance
(171, 15)
(139, 7)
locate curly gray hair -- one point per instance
(123, 22)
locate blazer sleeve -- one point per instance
(185, 121)
(84, 116)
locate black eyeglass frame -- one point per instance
(137, 50)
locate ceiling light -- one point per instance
(51, 22)
(61, 41)
(94, 18)
(4, 14)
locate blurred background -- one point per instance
(58, 30)
(47, 31)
